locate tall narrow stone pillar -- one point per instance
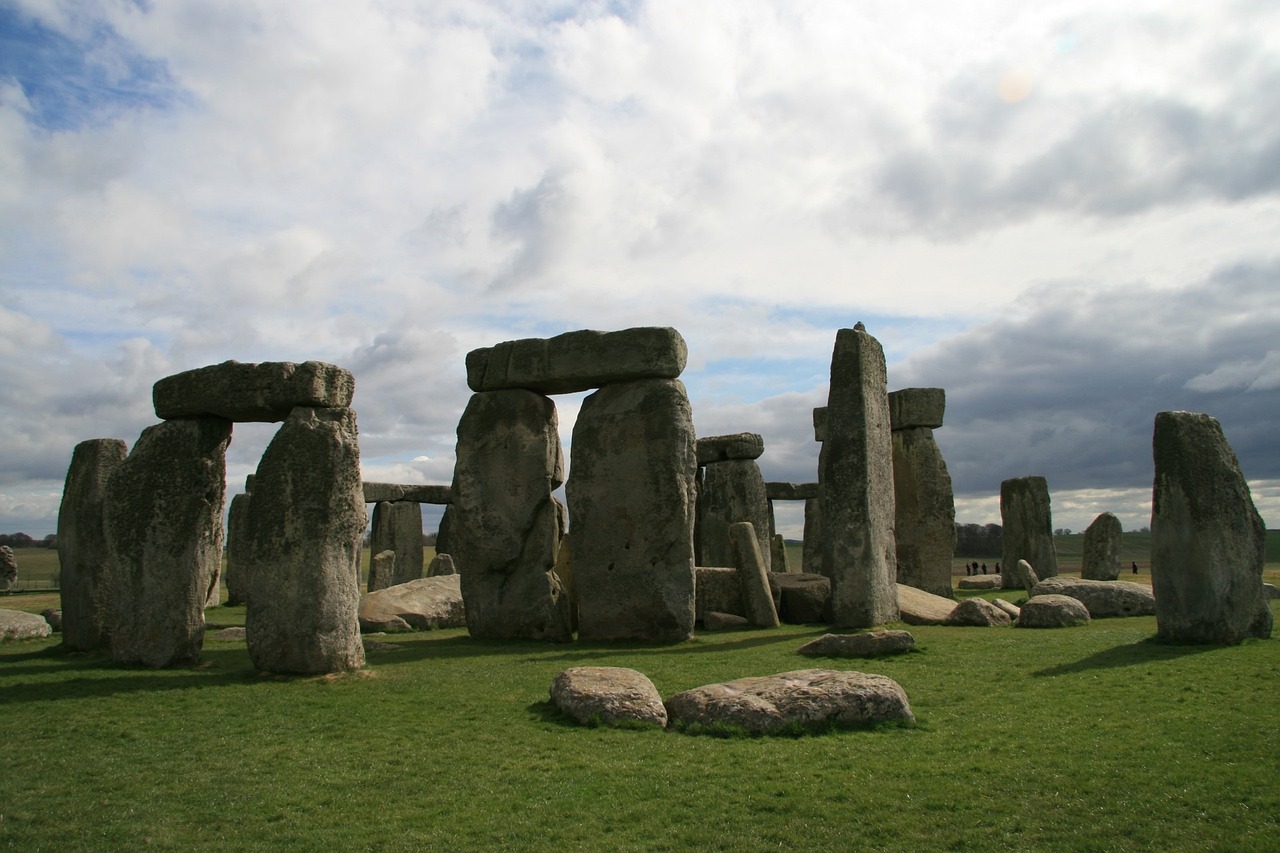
(732, 490)
(1100, 558)
(235, 576)
(924, 505)
(397, 526)
(1028, 528)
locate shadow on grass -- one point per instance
(1145, 651)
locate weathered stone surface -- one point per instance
(1102, 598)
(820, 423)
(809, 698)
(1208, 542)
(778, 559)
(306, 522)
(20, 625)
(1012, 609)
(1028, 527)
(718, 589)
(713, 620)
(237, 565)
(8, 569)
(801, 598)
(398, 527)
(857, 485)
(504, 528)
(811, 555)
(981, 582)
(866, 645)
(82, 544)
(1100, 560)
(924, 511)
(578, 361)
(753, 575)
(978, 612)
(1052, 611)
(379, 492)
(777, 491)
(382, 570)
(53, 616)
(730, 492)
(264, 392)
(442, 566)
(911, 408)
(419, 605)
(631, 496)
(1026, 575)
(163, 521)
(923, 608)
(1270, 591)
(610, 695)
(722, 448)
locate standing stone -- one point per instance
(731, 491)
(82, 544)
(1208, 542)
(812, 548)
(164, 535)
(398, 527)
(924, 504)
(1026, 576)
(235, 576)
(857, 485)
(1028, 527)
(306, 522)
(504, 529)
(778, 560)
(632, 494)
(382, 570)
(753, 575)
(8, 569)
(1100, 560)
(440, 566)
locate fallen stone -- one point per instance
(923, 608)
(913, 408)
(978, 613)
(392, 492)
(261, 393)
(227, 635)
(714, 620)
(721, 448)
(421, 605)
(924, 511)
(811, 699)
(609, 695)
(53, 616)
(1102, 598)
(20, 625)
(1026, 575)
(578, 361)
(1012, 609)
(801, 598)
(866, 645)
(1052, 611)
(981, 582)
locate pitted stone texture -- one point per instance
(866, 645)
(857, 485)
(731, 492)
(610, 695)
(82, 544)
(264, 392)
(1012, 609)
(917, 407)
(981, 582)
(631, 495)
(923, 608)
(1208, 543)
(1100, 560)
(504, 527)
(306, 522)
(801, 598)
(1026, 575)
(397, 527)
(718, 590)
(978, 613)
(420, 605)
(1102, 598)
(753, 575)
(164, 533)
(1052, 611)
(382, 570)
(722, 448)
(578, 361)
(21, 625)
(378, 492)
(1028, 527)
(236, 574)
(924, 511)
(777, 491)
(809, 698)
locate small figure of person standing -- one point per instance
(1135, 567)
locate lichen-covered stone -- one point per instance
(420, 605)
(264, 392)
(1102, 598)
(610, 695)
(979, 613)
(85, 579)
(378, 492)
(578, 361)
(865, 645)
(722, 448)
(912, 408)
(1052, 611)
(1028, 527)
(731, 492)
(924, 511)
(1100, 559)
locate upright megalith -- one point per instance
(857, 485)
(753, 575)
(306, 522)
(1100, 559)
(814, 553)
(397, 527)
(237, 564)
(578, 361)
(164, 536)
(924, 504)
(1208, 542)
(504, 526)
(82, 544)
(382, 570)
(632, 494)
(731, 490)
(265, 392)
(1028, 527)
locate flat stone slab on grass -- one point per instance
(419, 605)
(255, 393)
(866, 645)
(20, 625)
(809, 698)
(578, 361)
(1053, 611)
(610, 695)
(981, 582)
(1102, 598)
(978, 613)
(918, 607)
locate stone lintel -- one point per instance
(265, 392)
(917, 407)
(379, 492)
(721, 448)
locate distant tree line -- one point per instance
(22, 540)
(979, 540)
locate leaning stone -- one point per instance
(1052, 611)
(867, 645)
(717, 590)
(163, 522)
(721, 448)
(421, 605)
(979, 613)
(264, 392)
(790, 491)
(397, 527)
(21, 625)
(609, 695)
(53, 616)
(801, 598)
(1100, 558)
(1012, 609)
(1208, 543)
(1102, 598)
(1028, 527)
(753, 574)
(378, 492)
(82, 544)
(382, 570)
(923, 608)
(441, 565)
(911, 408)
(714, 620)
(728, 493)
(1026, 575)
(578, 361)
(981, 582)
(924, 511)
(811, 699)
(306, 522)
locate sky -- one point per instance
(1063, 213)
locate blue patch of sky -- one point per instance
(73, 83)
